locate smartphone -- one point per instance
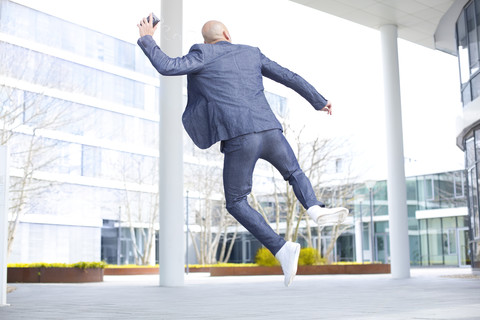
(155, 19)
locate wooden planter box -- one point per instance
(198, 269)
(53, 275)
(302, 270)
(130, 271)
(139, 271)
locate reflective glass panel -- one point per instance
(462, 45)
(474, 201)
(466, 94)
(423, 243)
(475, 87)
(459, 184)
(470, 152)
(435, 241)
(472, 38)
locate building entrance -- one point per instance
(382, 247)
(462, 247)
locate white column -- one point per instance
(359, 240)
(171, 240)
(3, 224)
(397, 198)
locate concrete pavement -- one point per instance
(447, 293)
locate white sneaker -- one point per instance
(288, 258)
(324, 216)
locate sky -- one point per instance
(340, 58)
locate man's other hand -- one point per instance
(146, 27)
(327, 108)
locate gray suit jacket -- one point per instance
(225, 88)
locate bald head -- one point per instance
(215, 31)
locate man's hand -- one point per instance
(327, 108)
(146, 27)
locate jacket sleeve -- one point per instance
(274, 71)
(167, 66)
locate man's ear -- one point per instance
(227, 35)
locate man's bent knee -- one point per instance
(233, 206)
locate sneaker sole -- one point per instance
(334, 217)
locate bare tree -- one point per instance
(205, 178)
(141, 207)
(28, 120)
(315, 156)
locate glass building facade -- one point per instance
(88, 103)
(437, 220)
(438, 224)
(468, 52)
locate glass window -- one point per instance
(415, 255)
(449, 243)
(366, 236)
(277, 103)
(424, 242)
(435, 241)
(109, 49)
(477, 146)
(339, 165)
(44, 24)
(90, 42)
(380, 191)
(68, 34)
(470, 152)
(466, 94)
(55, 32)
(462, 221)
(475, 87)
(467, 37)
(411, 188)
(24, 22)
(477, 20)
(91, 161)
(124, 54)
(472, 38)
(462, 45)
(429, 189)
(450, 240)
(446, 189)
(5, 17)
(157, 99)
(473, 197)
(459, 184)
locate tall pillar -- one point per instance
(359, 240)
(397, 197)
(171, 237)
(3, 224)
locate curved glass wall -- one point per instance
(435, 239)
(467, 31)
(468, 52)
(472, 160)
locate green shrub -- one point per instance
(265, 258)
(80, 265)
(310, 257)
(90, 265)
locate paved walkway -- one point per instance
(447, 293)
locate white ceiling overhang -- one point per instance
(430, 23)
